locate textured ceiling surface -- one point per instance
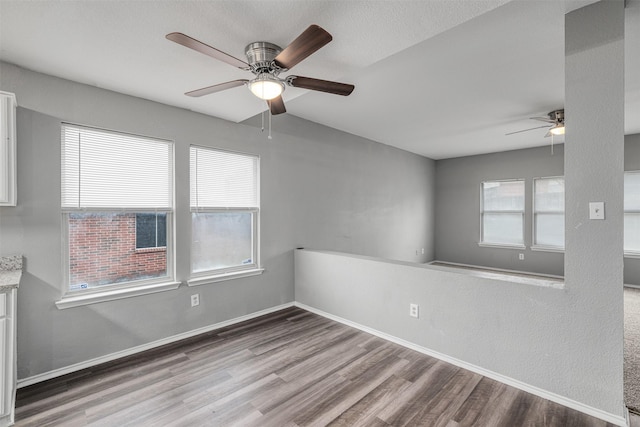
(438, 78)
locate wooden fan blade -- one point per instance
(216, 88)
(320, 85)
(276, 105)
(527, 130)
(196, 45)
(312, 39)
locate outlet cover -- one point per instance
(195, 300)
(414, 310)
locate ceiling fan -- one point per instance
(555, 117)
(267, 60)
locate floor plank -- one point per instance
(291, 368)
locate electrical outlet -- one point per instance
(521, 257)
(414, 310)
(195, 300)
(422, 251)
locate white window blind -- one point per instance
(104, 169)
(632, 191)
(503, 212)
(548, 212)
(221, 179)
(632, 212)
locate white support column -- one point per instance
(594, 164)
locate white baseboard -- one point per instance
(128, 352)
(627, 417)
(611, 418)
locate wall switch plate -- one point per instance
(596, 210)
(414, 310)
(195, 300)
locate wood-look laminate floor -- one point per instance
(290, 368)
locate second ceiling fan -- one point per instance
(556, 126)
(267, 60)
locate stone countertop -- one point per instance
(9, 280)
(10, 272)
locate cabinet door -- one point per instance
(3, 366)
(7, 149)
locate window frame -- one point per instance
(625, 212)
(156, 247)
(232, 272)
(482, 241)
(77, 297)
(535, 246)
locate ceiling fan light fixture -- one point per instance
(266, 86)
(557, 129)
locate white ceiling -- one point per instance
(441, 78)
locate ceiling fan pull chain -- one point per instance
(552, 144)
(262, 115)
(270, 124)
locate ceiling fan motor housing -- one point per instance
(557, 116)
(260, 56)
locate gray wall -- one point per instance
(320, 188)
(458, 207)
(594, 171)
(531, 336)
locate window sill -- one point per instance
(501, 246)
(547, 249)
(114, 294)
(148, 250)
(635, 255)
(197, 281)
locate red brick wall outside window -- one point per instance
(102, 250)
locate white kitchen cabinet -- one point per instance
(8, 149)
(7, 355)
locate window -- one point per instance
(502, 213)
(548, 213)
(117, 197)
(151, 230)
(225, 212)
(632, 213)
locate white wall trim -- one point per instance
(611, 418)
(627, 417)
(114, 294)
(205, 280)
(128, 352)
